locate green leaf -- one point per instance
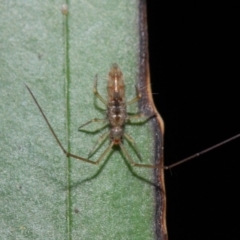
(45, 195)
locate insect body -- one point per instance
(116, 117)
(116, 105)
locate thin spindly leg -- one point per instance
(132, 162)
(101, 139)
(96, 91)
(68, 154)
(139, 95)
(135, 116)
(130, 139)
(140, 115)
(105, 152)
(87, 160)
(93, 120)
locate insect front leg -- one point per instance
(97, 93)
(139, 95)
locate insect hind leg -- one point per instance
(68, 154)
(129, 159)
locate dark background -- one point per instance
(194, 64)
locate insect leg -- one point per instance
(55, 136)
(140, 115)
(202, 152)
(96, 91)
(139, 95)
(93, 120)
(136, 116)
(130, 139)
(100, 140)
(105, 152)
(89, 161)
(133, 163)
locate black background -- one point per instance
(194, 64)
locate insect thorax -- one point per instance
(116, 114)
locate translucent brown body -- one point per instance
(116, 105)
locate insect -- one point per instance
(116, 117)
